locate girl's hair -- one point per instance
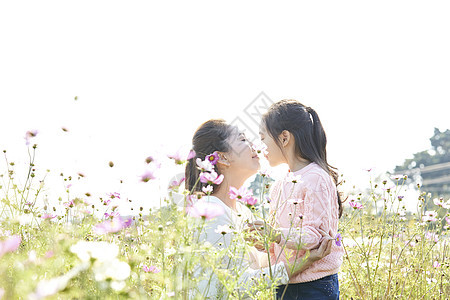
(209, 137)
(304, 124)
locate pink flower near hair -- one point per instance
(211, 178)
(180, 158)
(204, 166)
(213, 158)
(10, 245)
(204, 209)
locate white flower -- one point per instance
(207, 189)
(101, 251)
(293, 178)
(114, 269)
(223, 229)
(204, 165)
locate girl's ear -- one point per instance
(223, 159)
(285, 137)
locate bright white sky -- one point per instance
(148, 73)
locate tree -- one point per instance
(431, 167)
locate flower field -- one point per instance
(83, 248)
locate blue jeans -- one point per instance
(323, 288)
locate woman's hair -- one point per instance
(304, 124)
(209, 137)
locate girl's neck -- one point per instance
(296, 164)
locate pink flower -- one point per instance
(250, 201)
(211, 178)
(356, 205)
(48, 216)
(112, 226)
(430, 216)
(191, 155)
(436, 264)
(69, 204)
(30, 134)
(10, 245)
(243, 194)
(204, 209)
(147, 176)
(205, 165)
(180, 158)
(213, 158)
(176, 183)
(151, 269)
(432, 236)
(149, 159)
(112, 215)
(49, 254)
(447, 219)
(114, 195)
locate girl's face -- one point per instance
(275, 155)
(242, 157)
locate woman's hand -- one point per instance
(314, 255)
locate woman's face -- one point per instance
(275, 155)
(242, 157)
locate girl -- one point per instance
(236, 161)
(305, 202)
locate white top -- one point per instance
(254, 264)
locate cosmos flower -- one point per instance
(207, 189)
(356, 205)
(338, 239)
(112, 226)
(223, 229)
(293, 178)
(150, 269)
(10, 245)
(429, 216)
(29, 135)
(48, 216)
(148, 175)
(243, 194)
(260, 148)
(205, 210)
(213, 158)
(211, 178)
(204, 166)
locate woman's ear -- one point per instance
(223, 159)
(285, 137)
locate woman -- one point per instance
(236, 161)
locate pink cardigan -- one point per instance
(299, 209)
